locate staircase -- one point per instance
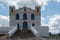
(22, 34)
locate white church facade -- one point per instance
(26, 18)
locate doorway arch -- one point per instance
(25, 25)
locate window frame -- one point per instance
(17, 16)
(24, 16)
(32, 17)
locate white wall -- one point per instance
(5, 30)
(43, 30)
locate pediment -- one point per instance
(22, 10)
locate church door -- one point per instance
(25, 25)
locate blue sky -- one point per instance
(50, 12)
(4, 9)
(51, 9)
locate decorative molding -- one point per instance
(12, 14)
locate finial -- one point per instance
(24, 5)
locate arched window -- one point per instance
(32, 16)
(24, 16)
(17, 16)
(33, 24)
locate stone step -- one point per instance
(23, 34)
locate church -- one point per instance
(25, 18)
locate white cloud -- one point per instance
(54, 24)
(4, 20)
(42, 22)
(54, 31)
(12, 2)
(58, 0)
(2, 5)
(54, 20)
(43, 3)
(4, 17)
(30, 3)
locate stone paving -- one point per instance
(32, 38)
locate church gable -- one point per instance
(24, 9)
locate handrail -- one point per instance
(11, 32)
(34, 29)
(35, 32)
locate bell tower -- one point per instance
(38, 14)
(12, 10)
(12, 15)
(37, 8)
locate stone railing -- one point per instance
(12, 31)
(35, 32)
